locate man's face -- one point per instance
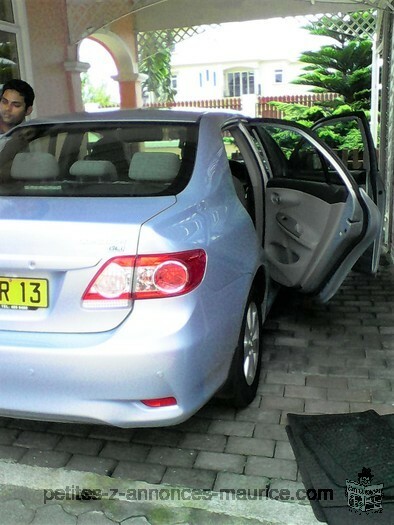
(13, 109)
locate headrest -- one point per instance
(34, 165)
(157, 166)
(100, 169)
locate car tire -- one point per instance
(241, 386)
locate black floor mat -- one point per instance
(333, 452)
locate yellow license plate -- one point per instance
(20, 293)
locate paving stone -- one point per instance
(14, 512)
(327, 381)
(38, 440)
(175, 457)
(139, 471)
(231, 428)
(79, 445)
(193, 478)
(235, 482)
(70, 429)
(157, 436)
(316, 406)
(258, 414)
(283, 450)
(271, 468)
(217, 412)
(28, 424)
(197, 441)
(194, 424)
(111, 433)
(381, 373)
(265, 388)
(53, 515)
(220, 462)
(127, 451)
(250, 446)
(383, 397)
(349, 395)
(383, 409)
(11, 453)
(8, 435)
(282, 403)
(276, 432)
(91, 464)
(285, 379)
(45, 458)
(305, 392)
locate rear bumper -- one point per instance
(103, 377)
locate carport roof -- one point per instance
(161, 14)
(87, 16)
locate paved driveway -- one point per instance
(317, 359)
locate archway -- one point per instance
(120, 66)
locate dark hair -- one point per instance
(22, 87)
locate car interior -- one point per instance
(82, 160)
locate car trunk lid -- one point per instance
(51, 250)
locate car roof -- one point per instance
(137, 115)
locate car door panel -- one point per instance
(365, 171)
(318, 221)
(305, 232)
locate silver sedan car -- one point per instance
(141, 251)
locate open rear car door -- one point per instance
(363, 165)
(318, 220)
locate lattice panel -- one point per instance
(377, 4)
(161, 36)
(357, 25)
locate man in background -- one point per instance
(16, 103)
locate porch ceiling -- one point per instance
(87, 16)
(162, 14)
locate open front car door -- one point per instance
(319, 220)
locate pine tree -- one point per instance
(344, 67)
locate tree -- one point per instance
(95, 94)
(155, 62)
(343, 68)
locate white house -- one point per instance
(245, 59)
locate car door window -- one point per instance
(345, 138)
(292, 155)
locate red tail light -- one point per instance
(160, 402)
(123, 279)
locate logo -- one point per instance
(363, 496)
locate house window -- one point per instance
(278, 76)
(174, 82)
(6, 12)
(9, 59)
(240, 83)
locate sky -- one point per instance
(277, 37)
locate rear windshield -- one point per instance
(97, 160)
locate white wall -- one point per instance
(260, 46)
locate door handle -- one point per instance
(289, 224)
